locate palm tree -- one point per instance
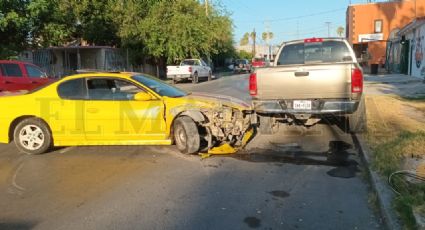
(340, 31)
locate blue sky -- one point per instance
(288, 20)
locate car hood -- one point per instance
(207, 100)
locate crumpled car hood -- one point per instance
(213, 100)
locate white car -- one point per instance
(189, 69)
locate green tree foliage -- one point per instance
(14, 27)
(181, 29)
(340, 31)
(245, 39)
(267, 36)
(242, 54)
(164, 29)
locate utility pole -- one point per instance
(254, 37)
(329, 28)
(206, 7)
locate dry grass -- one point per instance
(396, 131)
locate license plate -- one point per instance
(302, 104)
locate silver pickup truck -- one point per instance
(312, 80)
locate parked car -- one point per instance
(259, 62)
(313, 79)
(189, 69)
(18, 75)
(122, 109)
(241, 65)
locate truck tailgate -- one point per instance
(305, 82)
(178, 70)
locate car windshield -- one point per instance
(158, 86)
(315, 52)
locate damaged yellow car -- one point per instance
(123, 109)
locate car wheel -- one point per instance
(186, 135)
(32, 136)
(267, 125)
(195, 78)
(357, 121)
(209, 76)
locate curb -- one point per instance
(384, 193)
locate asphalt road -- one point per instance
(296, 179)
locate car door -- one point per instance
(205, 68)
(13, 78)
(112, 114)
(36, 77)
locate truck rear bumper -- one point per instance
(337, 107)
(179, 76)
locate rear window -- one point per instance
(11, 70)
(73, 89)
(190, 62)
(315, 52)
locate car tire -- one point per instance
(357, 122)
(32, 136)
(209, 76)
(195, 78)
(267, 125)
(186, 135)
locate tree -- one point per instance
(244, 40)
(14, 28)
(340, 31)
(267, 36)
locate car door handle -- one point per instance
(7, 82)
(92, 110)
(301, 74)
(33, 82)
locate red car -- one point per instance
(18, 75)
(259, 62)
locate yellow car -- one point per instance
(121, 109)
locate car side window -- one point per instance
(11, 70)
(73, 89)
(111, 89)
(34, 72)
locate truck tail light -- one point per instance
(253, 84)
(356, 81)
(313, 40)
(190, 69)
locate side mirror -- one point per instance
(142, 96)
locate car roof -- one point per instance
(102, 74)
(15, 62)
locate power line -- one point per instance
(296, 17)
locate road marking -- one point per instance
(67, 149)
(15, 175)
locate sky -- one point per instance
(288, 20)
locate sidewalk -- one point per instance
(395, 141)
(397, 84)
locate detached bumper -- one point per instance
(317, 107)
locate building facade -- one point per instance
(413, 34)
(371, 26)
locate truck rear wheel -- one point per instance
(357, 121)
(195, 78)
(209, 76)
(268, 125)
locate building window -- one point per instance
(378, 26)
